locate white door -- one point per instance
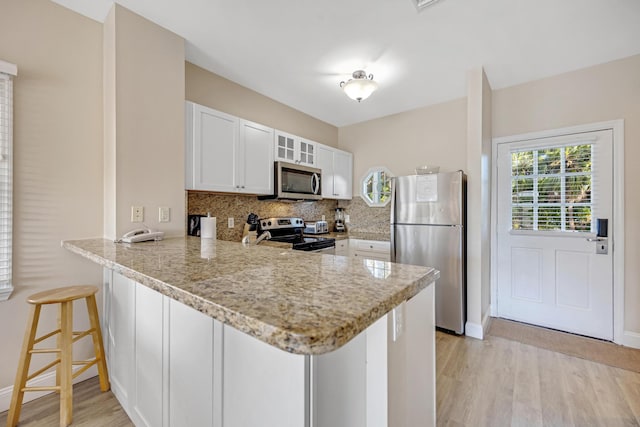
(550, 193)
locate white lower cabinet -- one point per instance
(194, 367)
(119, 324)
(171, 365)
(262, 385)
(147, 357)
(369, 249)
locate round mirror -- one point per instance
(376, 186)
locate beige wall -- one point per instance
(604, 92)
(57, 161)
(206, 88)
(434, 135)
(144, 95)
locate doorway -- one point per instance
(554, 263)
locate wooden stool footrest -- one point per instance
(87, 364)
(44, 350)
(44, 337)
(41, 370)
(42, 388)
(80, 335)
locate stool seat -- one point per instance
(58, 295)
(63, 351)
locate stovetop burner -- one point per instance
(290, 230)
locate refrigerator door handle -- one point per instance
(393, 203)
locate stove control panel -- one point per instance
(280, 223)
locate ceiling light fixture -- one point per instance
(421, 4)
(360, 87)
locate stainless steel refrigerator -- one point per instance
(428, 218)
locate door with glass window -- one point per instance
(554, 267)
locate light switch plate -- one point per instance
(164, 214)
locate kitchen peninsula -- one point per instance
(222, 334)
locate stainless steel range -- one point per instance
(291, 230)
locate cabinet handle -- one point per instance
(242, 186)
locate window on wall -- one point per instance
(551, 189)
(7, 71)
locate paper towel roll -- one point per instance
(207, 248)
(208, 227)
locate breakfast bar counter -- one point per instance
(339, 320)
(299, 302)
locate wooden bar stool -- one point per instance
(65, 337)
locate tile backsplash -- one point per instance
(223, 206)
(364, 218)
(238, 207)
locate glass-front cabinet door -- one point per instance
(285, 147)
(307, 153)
(293, 149)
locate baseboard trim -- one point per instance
(486, 321)
(43, 380)
(473, 330)
(631, 339)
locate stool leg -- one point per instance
(23, 366)
(66, 360)
(98, 347)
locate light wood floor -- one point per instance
(495, 382)
(498, 382)
(91, 408)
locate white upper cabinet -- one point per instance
(337, 172)
(293, 149)
(255, 165)
(225, 153)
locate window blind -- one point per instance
(554, 188)
(6, 185)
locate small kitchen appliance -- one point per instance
(291, 230)
(316, 227)
(339, 227)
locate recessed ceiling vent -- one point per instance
(422, 4)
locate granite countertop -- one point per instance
(364, 235)
(304, 303)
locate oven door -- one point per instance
(298, 182)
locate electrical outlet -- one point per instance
(164, 214)
(323, 217)
(230, 222)
(347, 218)
(137, 213)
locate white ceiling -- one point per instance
(298, 51)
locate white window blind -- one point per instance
(6, 173)
(554, 188)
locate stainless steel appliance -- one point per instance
(428, 219)
(316, 227)
(296, 182)
(339, 227)
(291, 230)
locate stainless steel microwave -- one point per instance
(297, 182)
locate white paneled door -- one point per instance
(553, 268)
